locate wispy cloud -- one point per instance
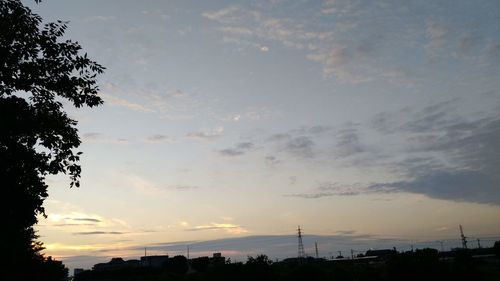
(81, 223)
(95, 137)
(99, 18)
(253, 113)
(227, 227)
(301, 146)
(160, 139)
(239, 149)
(206, 135)
(84, 219)
(185, 187)
(329, 189)
(99, 233)
(116, 101)
(353, 47)
(143, 185)
(271, 160)
(348, 141)
(296, 143)
(230, 152)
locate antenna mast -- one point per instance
(301, 253)
(316, 247)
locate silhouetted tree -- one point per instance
(497, 248)
(258, 268)
(200, 264)
(422, 264)
(177, 264)
(38, 70)
(259, 260)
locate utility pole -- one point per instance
(301, 252)
(188, 260)
(478, 243)
(464, 239)
(145, 252)
(352, 254)
(316, 247)
(442, 248)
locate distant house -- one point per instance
(200, 264)
(133, 263)
(154, 261)
(217, 259)
(115, 263)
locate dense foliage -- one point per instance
(38, 70)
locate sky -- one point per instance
(226, 124)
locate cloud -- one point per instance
(230, 152)
(348, 141)
(99, 233)
(74, 218)
(160, 139)
(245, 145)
(240, 149)
(116, 101)
(471, 172)
(362, 43)
(73, 224)
(437, 34)
(340, 58)
(279, 137)
(206, 135)
(447, 156)
(322, 194)
(236, 30)
(91, 135)
(227, 227)
(185, 187)
(469, 186)
(435, 150)
(271, 160)
(252, 114)
(177, 93)
(143, 185)
(346, 232)
(95, 137)
(329, 189)
(99, 18)
(223, 15)
(301, 146)
(81, 223)
(85, 219)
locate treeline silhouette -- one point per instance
(422, 264)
